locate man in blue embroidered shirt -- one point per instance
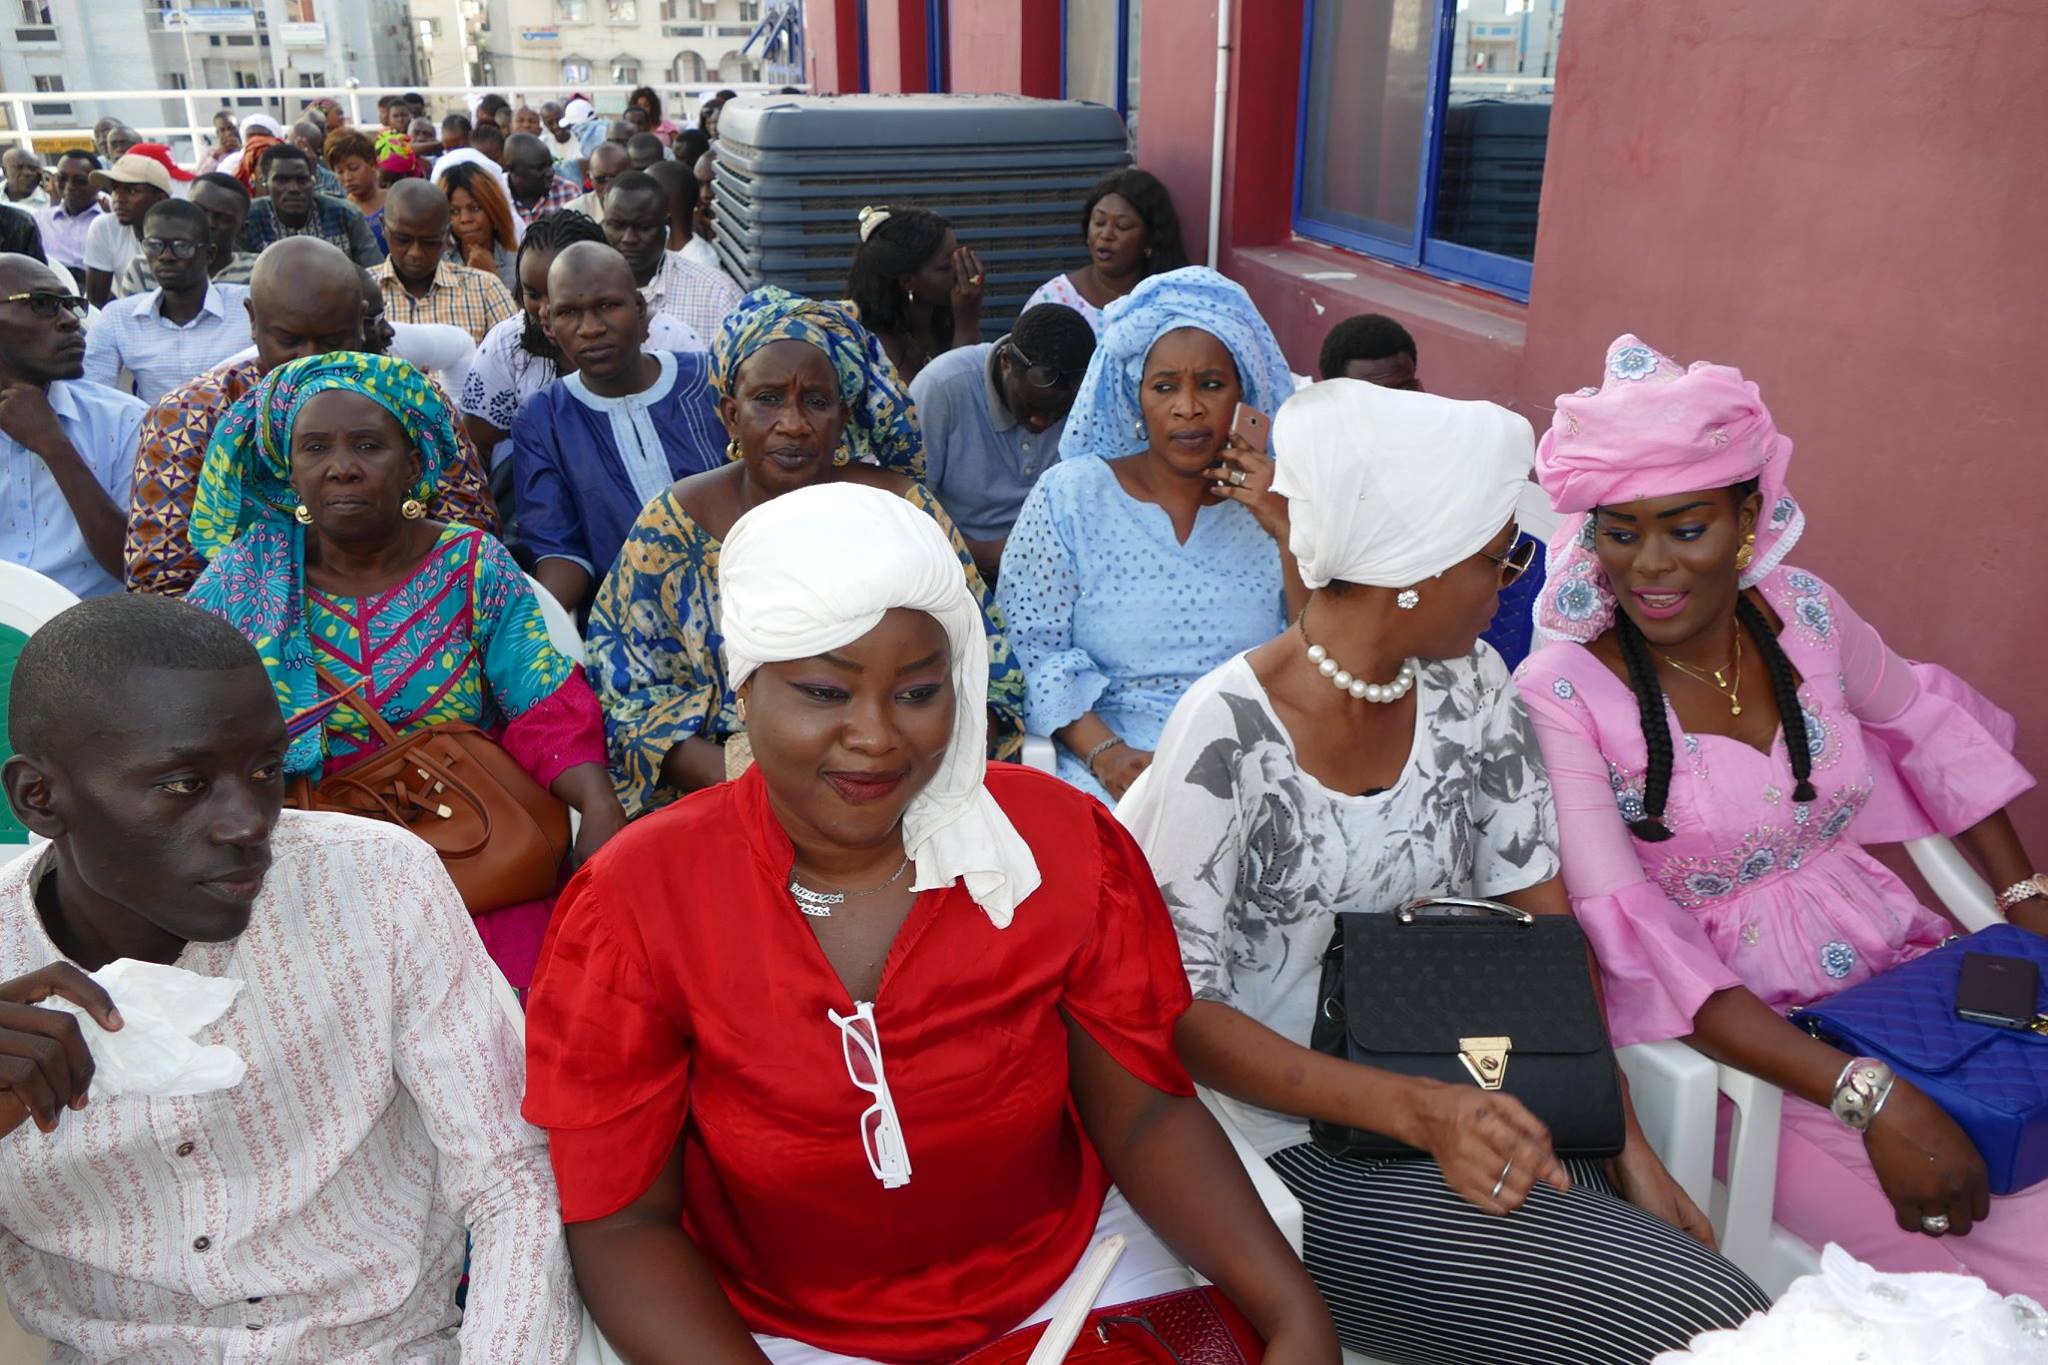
(291, 207)
(67, 447)
(591, 449)
(992, 417)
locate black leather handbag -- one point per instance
(1472, 992)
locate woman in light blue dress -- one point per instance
(1154, 550)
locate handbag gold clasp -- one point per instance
(1486, 1059)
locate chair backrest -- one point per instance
(27, 600)
(561, 625)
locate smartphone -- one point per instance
(1998, 990)
(1250, 425)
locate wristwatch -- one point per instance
(2033, 888)
(1861, 1091)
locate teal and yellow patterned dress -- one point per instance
(658, 660)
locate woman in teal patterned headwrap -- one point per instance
(311, 509)
(809, 398)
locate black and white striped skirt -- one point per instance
(1416, 1275)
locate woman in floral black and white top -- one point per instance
(1286, 789)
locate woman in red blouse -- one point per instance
(839, 1061)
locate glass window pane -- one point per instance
(1497, 124)
(1368, 98)
(1091, 51)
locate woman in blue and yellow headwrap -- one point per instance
(311, 509)
(809, 397)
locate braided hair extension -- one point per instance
(1786, 691)
(1642, 677)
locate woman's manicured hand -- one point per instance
(1641, 1178)
(1486, 1140)
(1268, 508)
(1118, 768)
(1926, 1164)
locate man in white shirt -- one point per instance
(606, 164)
(636, 223)
(315, 1210)
(66, 223)
(67, 448)
(185, 326)
(136, 184)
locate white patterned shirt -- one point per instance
(698, 296)
(132, 334)
(316, 1211)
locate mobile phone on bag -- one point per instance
(1250, 425)
(1998, 990)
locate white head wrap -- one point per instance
(814, 570)
(263, 121)
(1387, 488)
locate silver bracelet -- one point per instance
(2033, 888)
(1088, 759)
(1861, 1092)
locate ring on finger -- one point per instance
(1237, 477)
(1934, 1224)
(1499, 1184)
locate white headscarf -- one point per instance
(814, 570)
(265, 122)
(1387, 488)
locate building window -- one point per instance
(625, 71)
(622, 11)
(311, 80)
(1101, 54)
(750, 11)
(1423, 132)
(668, 10)
(573, 11)
(34, 12)
(575, 70)
(247, 80)
(49, 85)
(176, 80)
(687, 68)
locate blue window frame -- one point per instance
(1422, 136)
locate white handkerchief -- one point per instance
(153, 1053)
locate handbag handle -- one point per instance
(353, 698)
(1414, 914)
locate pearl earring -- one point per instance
(1407, 599)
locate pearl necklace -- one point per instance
(1341, 678)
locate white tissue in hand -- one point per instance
(153, 1052)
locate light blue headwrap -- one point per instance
(1106, 422)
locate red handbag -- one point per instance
(1187, 1327)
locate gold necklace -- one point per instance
(1730, 687)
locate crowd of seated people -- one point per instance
(834, 1033)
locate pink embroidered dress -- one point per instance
(1757, 890)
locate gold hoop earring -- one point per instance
(1746, 556)
(303, 515)
(732, 450)
(412, 509)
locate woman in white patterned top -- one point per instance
(1285, 790)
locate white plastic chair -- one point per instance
(1676, 1092)
(562, 632)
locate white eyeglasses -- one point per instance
(881, 1132)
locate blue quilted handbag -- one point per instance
(1992, 1081)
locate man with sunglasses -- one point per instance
(65, 223)
(148, 343)
(67, 448)
(226, 205)
(992, 417)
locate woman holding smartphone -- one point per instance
(1152, 552)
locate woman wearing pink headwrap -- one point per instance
(1724, 737)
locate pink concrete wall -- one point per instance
(1844, 199)
(1005, 47)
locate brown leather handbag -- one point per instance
(501, 836)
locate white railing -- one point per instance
(359, 100)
